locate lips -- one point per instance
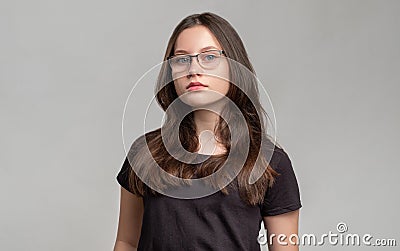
(198, 84)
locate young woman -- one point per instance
(206, 73)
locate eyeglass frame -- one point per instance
(221, 52)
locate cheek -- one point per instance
(223, 86)
(179, 86)
(221, 79)
(223, 70)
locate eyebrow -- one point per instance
(203, 49)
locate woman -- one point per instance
(212, 111)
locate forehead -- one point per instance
(195, 39)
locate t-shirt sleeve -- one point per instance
(284, 195)
(126, 170)
(124, 174)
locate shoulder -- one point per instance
(142, 140)
(280, 160)
(276, 156)
(284, 195)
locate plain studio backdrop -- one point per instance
(331, 69)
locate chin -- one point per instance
(202, 102)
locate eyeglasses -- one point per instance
(207, 60)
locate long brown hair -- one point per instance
(244, 94)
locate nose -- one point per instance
(194, 67)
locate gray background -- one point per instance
(67, 67)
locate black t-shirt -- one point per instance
(217, 221)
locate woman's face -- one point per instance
(192, 41)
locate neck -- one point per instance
(205, 120)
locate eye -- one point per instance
(182, 60)
(209, 57)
